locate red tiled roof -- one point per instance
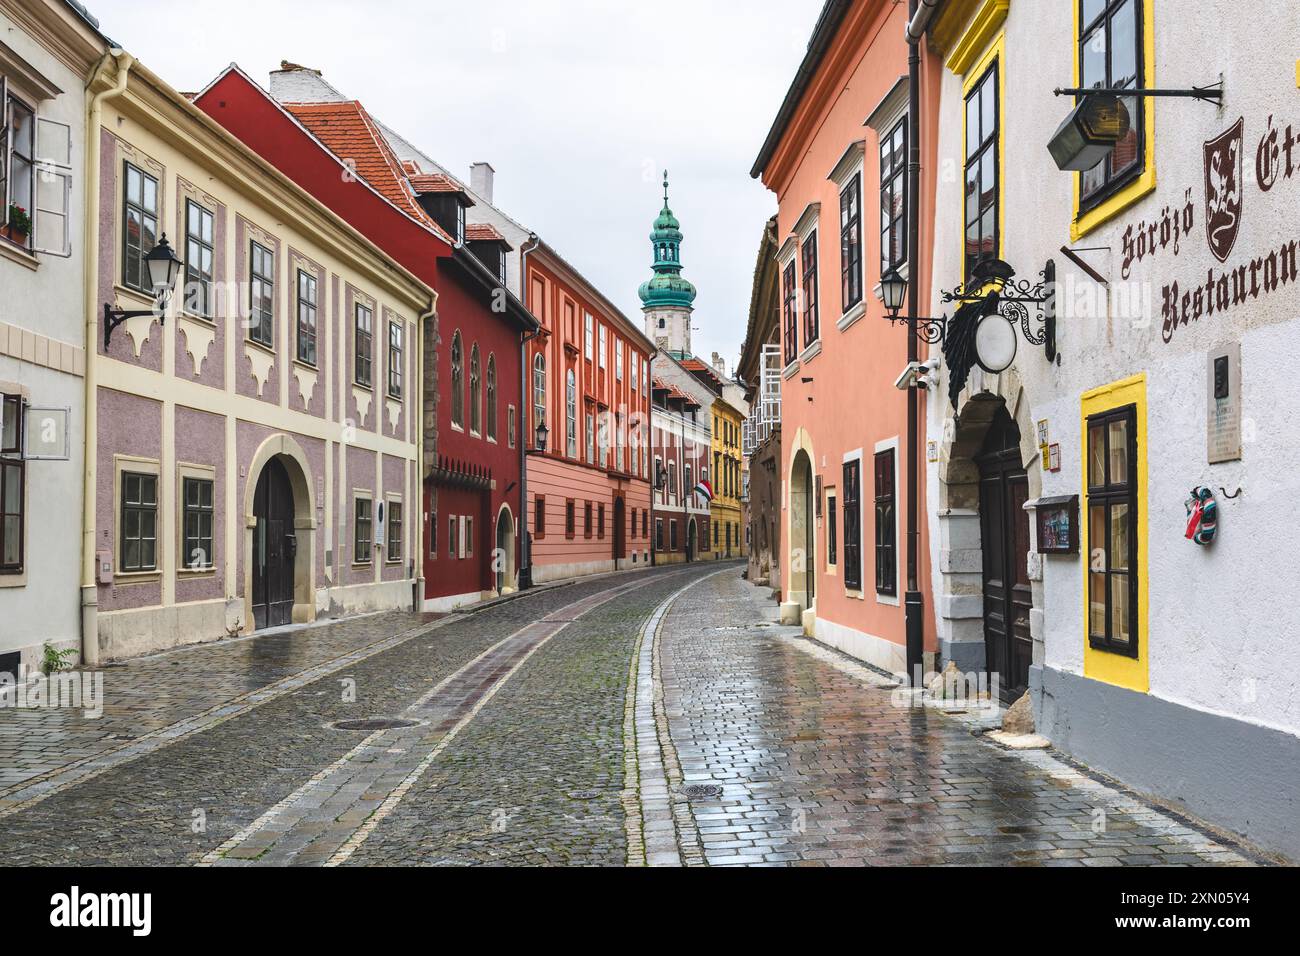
(437, 183)
(482, 232)
(349, 132)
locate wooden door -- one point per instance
(274, 548)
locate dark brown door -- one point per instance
(274, 548)
(1004, 529)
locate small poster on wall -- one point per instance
(1058, 525)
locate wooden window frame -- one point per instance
(261, 295)
(195, 246)
(1104, 497)
(851, 280)
(1113, 183)
(306, 295)
(141, 508)
(191, 543)
(396, 349)
(893, 182)
(885, 475)
(363, 369)
(154, 215)
(989, 140)
(11, 462)
(362, 544)
(851, 506)
(811, 316)
(393, 522)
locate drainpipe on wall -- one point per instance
(417, 572)
(525, 529)
(920, 13)
(89, 589)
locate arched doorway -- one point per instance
(803, 570)
(1004, 536)
(690, 541)
(503, 561)
(620, 530)
(275, 547)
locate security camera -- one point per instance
(908, 377)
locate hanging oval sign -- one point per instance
(995, 343)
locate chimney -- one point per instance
(481, 176)
(295, 83)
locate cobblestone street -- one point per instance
(563, 727)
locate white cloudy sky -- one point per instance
(577, 103)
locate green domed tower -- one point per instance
(667, 299)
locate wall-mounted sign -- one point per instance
(1223, 407)
(1058, 525)
(46, 434)
(1054, 457)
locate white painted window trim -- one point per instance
(832, 567)
(889, 444)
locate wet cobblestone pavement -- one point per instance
(526, 747)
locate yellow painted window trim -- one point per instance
(1086, 221)
(1101, 665)
(996, 53)
(983, 26)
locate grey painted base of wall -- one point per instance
(967, 655)
(1236, 775)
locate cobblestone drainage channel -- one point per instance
(701, 791)
(373, 723)
(583, 794)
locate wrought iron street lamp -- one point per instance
(540, 436)
(1090, 132)
(162, 267)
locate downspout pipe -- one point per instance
(919, 14)
(89, 589)
(525, 533)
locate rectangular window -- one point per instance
(198, 260)
(12, 480)
(570, 518)
(394, 531)
(586, 520)
(196, 523)
(17, 152)
(852, 491)
(261, 294)
(1110, 56)
(139, 532)
(364, 345)
(659, 534)
(306, 318)
(604, 344)
(851, 243)
(672, 535)
(789, 313)
(591, 438)
(982, 172)
(1113, 531)
(589, 345)
(433, 534)
(469, 536)
(362, 531)
(645, 517)
(539, 516)
(893, 198)
(510, 426)
(811, 330)
(453, 536)
(600, 520)
(395, 333)
(632, 525)
(832, 532)
(139, 226)
(618, 359)
(886, 526)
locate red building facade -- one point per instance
(589, 381)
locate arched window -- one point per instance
(571, 413)
(539, 390)
(475, 393)
(492, 397)
(457, 383)
(662, 323)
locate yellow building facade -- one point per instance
(727, 528)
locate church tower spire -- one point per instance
(667, 298)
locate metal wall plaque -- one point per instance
(46, 434)
(1223, 404)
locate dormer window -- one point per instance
(460, 222)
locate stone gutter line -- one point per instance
(660, 826)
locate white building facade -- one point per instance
(1061, 486)
(48, 49)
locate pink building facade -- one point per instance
(836, 159)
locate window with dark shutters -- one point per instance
(886, 531)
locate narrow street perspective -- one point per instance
(522, 733)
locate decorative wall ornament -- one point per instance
(1202, 516)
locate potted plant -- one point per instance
(19, 226)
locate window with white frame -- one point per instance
(603, 345)
(571, 414)
(35, 176)
(589, 345)
(198, 259)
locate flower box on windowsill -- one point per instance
(13, 235)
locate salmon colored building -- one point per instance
(836, 158)
(589, 382)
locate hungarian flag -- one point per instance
(703, 488)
